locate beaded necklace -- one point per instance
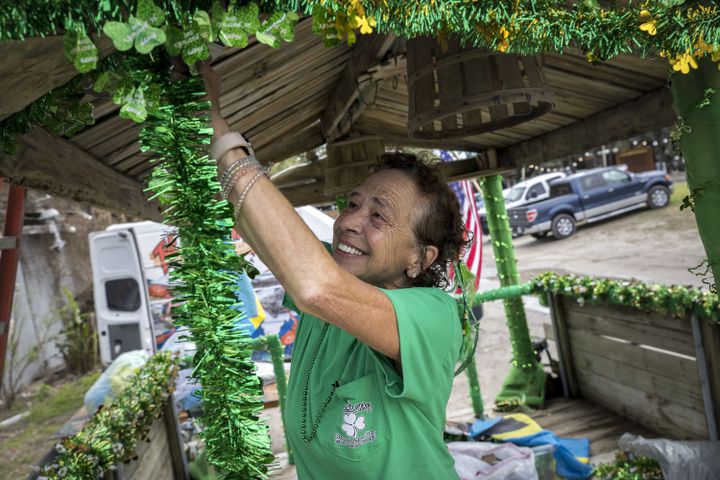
(335, 385)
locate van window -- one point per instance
(122, 295)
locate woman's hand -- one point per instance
(211, 79)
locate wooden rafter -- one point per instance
(56, 166)
(347, 95)
(32, 67)
(635, 117)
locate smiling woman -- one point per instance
(378, 341)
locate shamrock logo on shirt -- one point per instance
(352, 424)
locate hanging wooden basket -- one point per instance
(348, 163)
(469, 91)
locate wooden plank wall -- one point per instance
(154, 460)
(640, 365)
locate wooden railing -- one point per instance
(660, 371)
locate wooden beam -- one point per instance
(307, 139)
(367, 52)
(32, 67)
(304, 184)
(56, 166)
(635, 117)
(299, 174)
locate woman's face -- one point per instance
(373, 237)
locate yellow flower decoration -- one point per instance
(650, 24)
(366, 24)
(503, 39)
(683, 63)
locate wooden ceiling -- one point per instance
(294, 99)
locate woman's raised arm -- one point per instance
(282, 240)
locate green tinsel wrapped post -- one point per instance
(525, 384)
(204, 276)
(697, 101)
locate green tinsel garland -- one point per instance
(672, 300)
(111, 435)
(527, 27)
(204, 276)
(60, 110)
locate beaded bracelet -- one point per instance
(245, 191)
(237, 164)
(228, 187)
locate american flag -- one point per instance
(468, 209)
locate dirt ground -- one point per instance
(649, 245)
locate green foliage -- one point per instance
(626, 467)
(177, 133)
(674, 300)
(112, 434)
(78, 343)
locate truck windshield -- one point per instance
(515, 194)
(560, 189)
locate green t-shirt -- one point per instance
(378, 425)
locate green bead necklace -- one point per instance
(335, 385)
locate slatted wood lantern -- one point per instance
(348, 163)
(468, 91)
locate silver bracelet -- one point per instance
(245, 191)
(236, 164)
(228, 188)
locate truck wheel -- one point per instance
(658, 196)
(563, 225)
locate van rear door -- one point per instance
(121, 305)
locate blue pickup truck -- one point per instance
(589, 196)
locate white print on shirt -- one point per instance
(352, 424)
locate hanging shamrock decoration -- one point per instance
(80, 50)
(279, 26)
(192, 42)
(236, 24)
(140, 30)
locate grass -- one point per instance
(680, 191)
(23, 445)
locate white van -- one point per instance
(131, 285)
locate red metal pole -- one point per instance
(8, 265)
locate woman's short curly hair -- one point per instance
(440, 224)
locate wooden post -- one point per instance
(710, 333)
(8, 266)
(525, 383)
(179, 462)
(568, 375)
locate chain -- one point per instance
(335, 385)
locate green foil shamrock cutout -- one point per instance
(140, 30)
(238, 24)
(192, 42)
(323, 25)
(80, 50)
(278, 26)
(135, 107)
